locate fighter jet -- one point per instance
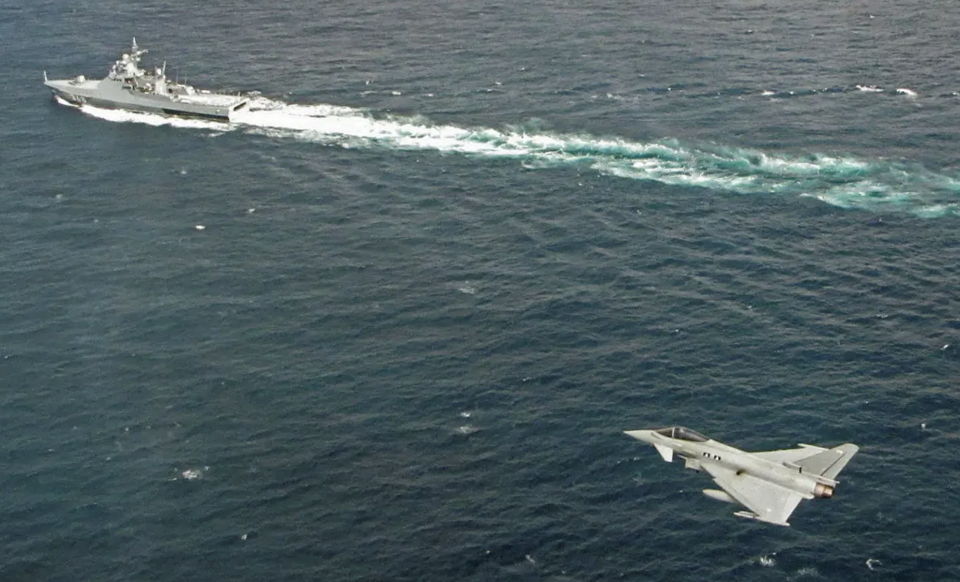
(770, 484)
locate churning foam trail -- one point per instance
(121, 116)
(841, 181)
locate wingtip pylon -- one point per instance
(754, 516)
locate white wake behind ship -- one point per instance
(132, 88)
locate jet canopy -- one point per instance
(682, 433)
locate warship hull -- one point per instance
(200, 105)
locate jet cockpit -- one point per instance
(683, 433)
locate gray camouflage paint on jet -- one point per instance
(770, 484)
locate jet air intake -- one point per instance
(718, 495)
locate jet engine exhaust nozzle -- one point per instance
(823, 491)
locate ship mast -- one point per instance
(136, 52)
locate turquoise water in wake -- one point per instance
(844, 181)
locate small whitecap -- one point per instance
(191, 474)
(871, 562)
(243, 537)
(465, 414)
(251, 210)
(530, 559)
(467, 429)
(869, 88)
(907, 92)
(767, 561)
(467, 289)
(768, 93)
(200, 227)
(396, 93)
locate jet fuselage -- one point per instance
(711, 451)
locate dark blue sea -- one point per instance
(389, 325)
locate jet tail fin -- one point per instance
(829, 463)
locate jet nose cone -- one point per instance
(640, 435)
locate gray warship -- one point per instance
(129, 87)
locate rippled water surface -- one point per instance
(390, 323)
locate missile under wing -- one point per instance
(769, 484)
